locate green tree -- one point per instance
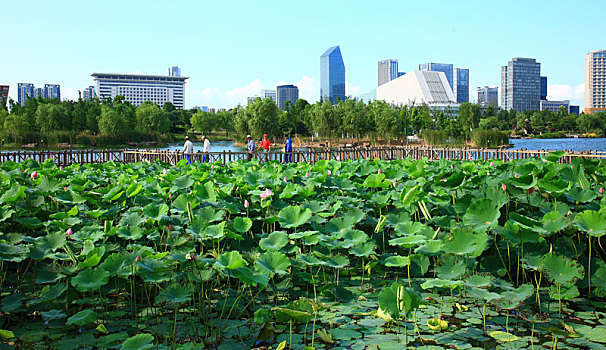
(204, 122)
(263, 118)
(110, 122)
(151, 119)
(324, 119)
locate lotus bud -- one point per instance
(395, 183)
(246, 204)
(491, 164)
(275, 166)
(285, 180)
(69, 232)
(489, 173)
(212, 167)
(329, 173)
(34, 174)
(504, 187)
(170, 196)
(170, 227)
(61, 168)
(517, 175)
(194, 257)
(601, 190)
(378, 172)
(138, 258)
(307, 174)
(530, 190)
(335, 215)
(64, 188)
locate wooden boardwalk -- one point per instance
(67, 157)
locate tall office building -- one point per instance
(417, 87)
(174, 71)
(332, 75)
(488, 96)
(38, 93)
(543, 88)
(521, 85)
(440, 67)
(461, 84)
(595, 82)
(52, 91)
(268, 93)
(554, 106)
(387, 71)
(138, 88)
(4, 95)
(89, 93)
(287, 93)
(25, 91)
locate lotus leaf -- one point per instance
(174, 294)
(82, 318)
(293, 216)
(247, 276)
(275, 241)
(363, 250)
(592, 222)
(396, 261)
(562, 270)
(503, 336)
(272, 263)
(437, 324)
(90, 279)
(155, 211)
(482, 215)
(396, 300)
(138, 342)
(242, 225)
(553, 221)
(231, 260)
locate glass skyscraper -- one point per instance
(287, 93)
(332, 75)
(543, 88)
(440, 67)
(521, 85)
(461, 85)
(25, 91)
(387, 71)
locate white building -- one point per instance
(418, 87)
(268, 93)
(554, 106)
(138, 88)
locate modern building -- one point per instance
(401, 74)
(574, 110)
(446, 68)
(461, 84)
(174, 71)
(595, 82)
(417, 87)
(287, 93)
(38, 93)
(138, 88)
(52, 91)
(554, 106)
(250, 99)
(25, 91)
(521, 85)
(543, 88)
(332, 75)
(488, 96)
(89, 93)
(368, 96)
(4, 94)
(387, 71)
(268, 93)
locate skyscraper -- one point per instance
(174, 71)
(52, 91)
(4, 95)
(25, 91)
(268, 93)
(38, 93)
(543, 88)
(488, 96)
(521, 85)
(595, 82)
(332, 75)
(461, 84)
(387, 71)
(287, 93)
(440, 67)
(89, 93)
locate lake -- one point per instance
(560, 144)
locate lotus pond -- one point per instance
(349, 255)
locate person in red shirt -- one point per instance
(266, 145)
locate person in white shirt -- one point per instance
(206, 149)
(188, 149)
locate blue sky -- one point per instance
(232, 49)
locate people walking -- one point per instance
(188, 149)
(266, 146)
(206, 149)
(250, 148)
(287, 149)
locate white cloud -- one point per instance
(351, 89)
(309, 88)
(68, 93)
(239, 94)
(576, 93)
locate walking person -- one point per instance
(287, 149)
(250, 148)
(206, 149)
(266, 145)
(188, 149)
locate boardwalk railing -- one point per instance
(67, 157)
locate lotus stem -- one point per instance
(589, 269)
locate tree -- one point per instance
(204, 122)
(262, 117)
(386, 118)
(324, 119)
(110, 122)
(151, 119)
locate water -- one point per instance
(218, 146)
(560, 144)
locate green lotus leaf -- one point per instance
(15, 253)
(231, 260)
(439, 283)
(130, 232)
(183, 182)
(481, 215)
(290, 190)
(564, 293)
(155, 211)
(310, 260)
(113, 263)
(90, 261)
(580, 195)
(363, 250)
(13, 194)
(430, 248)
(397, 218)
(90, 279)
(515, 297)
(437, 324)
(451, 268)
(409, 228)
(352, 237)
(271, 263)
(524, 182)
(553, 186)
(464, 242)
(478, 281)
(53, 315)
(242, 225)
(206, 192)
(49, 185)
(592, 222)
(138, 342)
(483, 294)
(82, 318)
(562, 270)
(396, 300)
(174, 294)
(246, 276)
(554, 221)
(302, 234)
(275, 241)
(52, 241)
(184, 201)
(132, 220)
(6, 335)
(210, 214)
(338, 261)
(293, 216)
(503, 336)
(214, 231)
(396, 261)
(375, 180)
(11, 302)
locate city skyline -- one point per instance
(232, 62)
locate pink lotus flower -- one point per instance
(491, 164)
(395, 183)
(444, 179)
(285, 180)
(170, 196)
(307, 174)
(170, 227)
(61, 168)
(530, 190)
(212, 167)
(329, 173)
(266, 194)
(34, 174)
(504, 187)
(451, 167)
(69, 232)
(164, 172)
(275, 166)
(601, 190)
(246, 204)
(335, 215)
(138, 258)
(378, 172)
(517, 175)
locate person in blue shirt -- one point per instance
(287, 150)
